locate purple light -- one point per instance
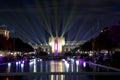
(56, 46)
(1, 59)
(80, 62)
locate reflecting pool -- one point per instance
(48, 66)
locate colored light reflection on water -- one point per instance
(1, 59)
(9, 64)
(9, 67)
(46, 66)
(77, 62)
(67, 66)
(80, 62)
(16, 63)
(84, 64)
(57, 66)
(39, 65)
(22, 67)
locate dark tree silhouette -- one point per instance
(5, 44)
(102, 41)
(19, 45)
(114, 34)
(14, 44)
(87, 46)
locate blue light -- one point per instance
(84, 64)
(16, 63)
(19, 62)
(9, 64)
(22, 65)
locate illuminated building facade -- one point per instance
(3, 31)
(56, 44)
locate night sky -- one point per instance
(36, 20)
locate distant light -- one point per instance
(31, 60)
(1, 55)
(91, 51)
(101, 31)
(104, 51)
(66, 64)
(16, 63)
(11, 53)
(77, 62)
(84, 64)
(40, 59)
(72, 60)
(19, 62)
(22, 61)
(9, 64)
(63, 59)
(50, 43)
(30, 63)
(90, 54)
(86, 52)
(22, 65)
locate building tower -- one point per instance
(4, 32)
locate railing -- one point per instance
(57, 73)
(103, 66)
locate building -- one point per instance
(4, 32)
(58, 45)
(71, 45)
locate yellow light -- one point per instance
(56, 67)
(61, 42)
(1, 55)
(11, 53)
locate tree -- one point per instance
(5, 44)
(114, 34)
(102, 41)
(19, 45)
(14, 44)
(87, 46)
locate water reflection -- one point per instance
(57, 66)
(66, 66)
(39, 65)
(84, 64)
(35, 67)
(22, 67)
(9, 66)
